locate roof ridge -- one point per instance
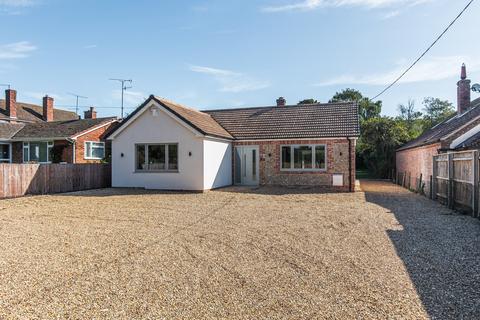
(179, 105)
(284, 107)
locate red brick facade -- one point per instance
(340, 159)
(95, 135)
(416, 161)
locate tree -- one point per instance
(381, 136)
(436, 111)
(367, 108)
(308, 101)
(411, 118)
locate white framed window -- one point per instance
(38, 151)
(5, 153)
(156, 157)
(94, 150)
(303, 157)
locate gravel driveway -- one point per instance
(237, 254)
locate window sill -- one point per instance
(303, 170)
(156, 171)
(93, 158)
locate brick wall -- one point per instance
(95, 135)
(417, 161)
(337, 162)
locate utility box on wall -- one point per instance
(338, 180)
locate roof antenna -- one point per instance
(5, 85)
(124, 87)
(77, 96)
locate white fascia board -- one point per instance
(92, 129)
(467, 135)
(147, 107)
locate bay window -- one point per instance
(156, 157)
(37, 151)
(94, 150)
(303, 157)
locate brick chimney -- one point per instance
(90, 114)
(463, 91)
(48, 108)
(11, 103)
(281, 102)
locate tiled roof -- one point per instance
(443, 129)
(289, 122)
(34, 113)
(58, 129)
(201, 121)
(8, 130)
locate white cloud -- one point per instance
(133, 98)
(38, 96)
(391, 14)
(431, 69)
(16, 50)
(90, 46)
(231, 81)
(16, 7)
(306, 5)
(17, 3)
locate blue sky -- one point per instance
(217, 53)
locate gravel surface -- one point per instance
(237, 254)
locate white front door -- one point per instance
(246, 165)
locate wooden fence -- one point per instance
(454, 181)
(17, 180)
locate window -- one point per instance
(305, 157)
(94, 150)
(156, 157)
(4, 152)
(37, 151)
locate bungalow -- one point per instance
(459, 132)
(43, 134)
(164, 145)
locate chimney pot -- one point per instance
(281, 102)
(90, 114)
(11, 103)
(463, 91)
(47, 108)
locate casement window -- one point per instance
(5, 153)
(37, 151)
(94, 150)
(156, 157)
(303, 157)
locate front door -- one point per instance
(246, 165)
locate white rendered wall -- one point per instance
(217, 162)
(161, 128)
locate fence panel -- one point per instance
(17, 180)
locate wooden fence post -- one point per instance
(431, 187)
(475, 184)
(419, 186)
(434, 178)
(450, 199)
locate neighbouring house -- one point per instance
(460, 132)
(44, 134)
(164, 145)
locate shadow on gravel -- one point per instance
(264, 190)
(440, 249)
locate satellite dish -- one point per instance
(476, 87)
